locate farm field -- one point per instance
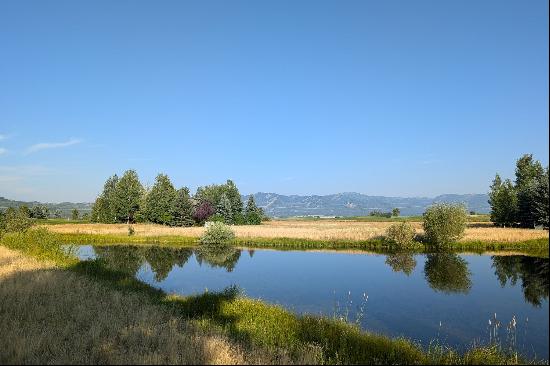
(305, 229)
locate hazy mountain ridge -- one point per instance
(340, 204)
(64, 207)
(357, 204)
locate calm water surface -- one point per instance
(446, 297)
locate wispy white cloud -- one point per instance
(51, 145)
(3, 151)
(4, 136)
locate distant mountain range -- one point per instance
(357, 204)
(341, 204)
(64, 207)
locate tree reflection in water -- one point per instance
(129, 259)
(448, 273)
(223, 257)
(401, 262)
(533, 273)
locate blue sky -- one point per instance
(399, 98)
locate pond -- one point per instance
(453, 299)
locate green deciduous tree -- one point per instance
(103, 209)
(525, 202)
(75, 214)
(528, 172)
(14, 220)
(182, 208)
(38, 212)
(503, 201)
(541, 203)
(26, 211)
(127, 197)
(160, 200)
(213, 194)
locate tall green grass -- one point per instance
(39, 243)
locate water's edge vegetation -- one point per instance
(538, 247)
(253, 323)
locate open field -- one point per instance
(304, 229)
(471, 218)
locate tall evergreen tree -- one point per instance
(160, 200)
(253, 213)
(127, 197)
(182, 209)
(234, 196)
(224, 209)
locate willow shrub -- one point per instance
(217, 234)
(444, 223)
(400, 234)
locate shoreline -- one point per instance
(539, 247)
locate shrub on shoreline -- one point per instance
(444, 223)
(400, 234)
(217, 234)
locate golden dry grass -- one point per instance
(315, 230)
(49, 315)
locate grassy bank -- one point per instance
(263, 332)
(53, 316)
(537, 247)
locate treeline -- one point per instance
(524, 202)
(126, 200)
(42, 212)
(377, 213)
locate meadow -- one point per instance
(313, 230)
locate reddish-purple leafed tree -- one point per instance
(204, 211)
